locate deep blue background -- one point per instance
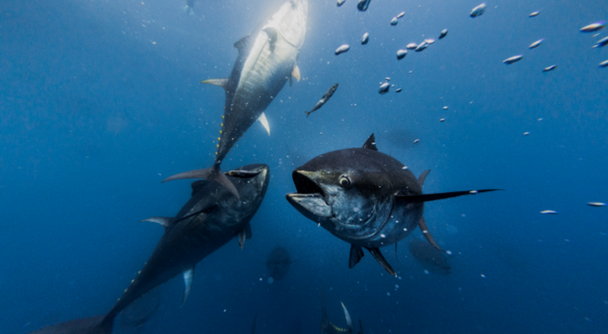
(99, 101)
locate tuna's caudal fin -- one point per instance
(212, 173)
(97, 325)
(264, 122)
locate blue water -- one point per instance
(100, 101)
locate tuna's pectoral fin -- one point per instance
(427, 234)
(295, 74)
(370, 143)
(272, 37)
(241, 42)
(356, 253)
(434, 197)
(264, 122)
(188, 275)
(349, 321)
(377, 254)
(422, 177)
(212, 173)
(245, 234)
(163, 221)
(217, 82)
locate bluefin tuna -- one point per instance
(266, 60)
(364, 197)
(210, 219)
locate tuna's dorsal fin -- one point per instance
(264, 122)
(356, 253)
(163, 221)
(188, 275)
(241, 42)
(295, 74)
(425, 231)
(377, 254)
(217, 82)
(370, 143)
(422, 177)
(272, 37)
(245, 234)
(434, 197)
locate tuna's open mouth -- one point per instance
(309, 199)
(304, 184)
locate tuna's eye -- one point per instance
(344, 181)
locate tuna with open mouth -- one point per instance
(267, 59)
(364, 197)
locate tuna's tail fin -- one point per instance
(92, 325)
(308, 113)
(212, 173)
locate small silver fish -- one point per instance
(363, 4)
(365, 38)
(421, 46)
(549, 68)
(416, 141)
(594, 27)
(477, 11)
(401, 54)
(398, 90)
(604, 63)
(394, 21)
(429, 41)
(442, 120)
(536, 13)
(445, 107)
(601, 43)
(444, 33)
(400, 15)
(526, 133)
(596, 204)
(343, 48)
(387, 78)
(536, 44)
(513, 59)
(411, 46)
(549, 212)
(324, 99)
(340, 2)
(384, 88)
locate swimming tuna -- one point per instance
(364, 197)
(444, 33)
(266, 60)
(330, 92)
(210, 219)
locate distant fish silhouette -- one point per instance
(431, 259)
(278, 263)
